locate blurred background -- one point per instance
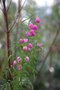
(49, 12)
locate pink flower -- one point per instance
(27, 59)
(29, 49)
(28, 34)
(39, 44)
(31, 25)
(30, 45)
(37, 20)
(21, 40)
(35, 27)
(18, 59)
(25, 40)
(32, 32)
(14, 63)
(25, 48)
(19, 67)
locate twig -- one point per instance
(23, 5)
(14, 22)
(9, 5)
(25, 20)
(44, 60)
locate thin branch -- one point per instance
(23, 4)
(45, 58)
(9, 5)
(14, 22)
(25, 20)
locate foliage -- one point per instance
(23, 66)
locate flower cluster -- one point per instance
(28, 48)
(25, 40)
(18, 62)
(32, 32)
(33, 28)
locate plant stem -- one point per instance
(7, 31)
(7, 39)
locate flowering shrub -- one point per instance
(23, 49)
(29, 43)
(24, 66)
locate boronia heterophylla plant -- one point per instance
(28, 45)
(24, 65)
(21, 72)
